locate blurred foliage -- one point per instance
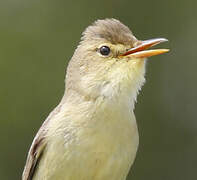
(39, 37)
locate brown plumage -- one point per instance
(110, 30)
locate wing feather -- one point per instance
(37, 148)
(34, 156)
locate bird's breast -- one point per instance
(109, 141)
(99, 142)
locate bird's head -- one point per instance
(109, 61)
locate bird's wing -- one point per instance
(34, 155)
(37, 148)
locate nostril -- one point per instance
(137, 43)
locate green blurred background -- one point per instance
(37, 38)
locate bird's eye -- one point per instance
(104, 50)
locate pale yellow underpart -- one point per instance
(95, 139)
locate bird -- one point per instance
(92, 134)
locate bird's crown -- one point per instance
(110, 30)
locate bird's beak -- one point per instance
(140, 51)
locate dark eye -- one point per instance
(104, 50)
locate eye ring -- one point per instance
(104, 50)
